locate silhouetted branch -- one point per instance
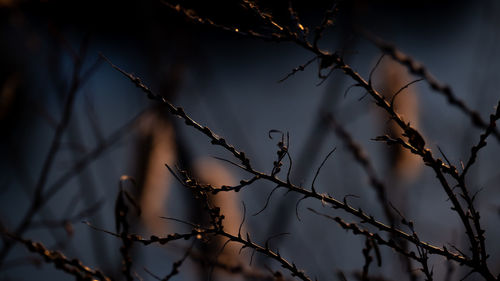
(71, 266)
(414, 144)
(420, 70)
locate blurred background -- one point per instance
(52, 82)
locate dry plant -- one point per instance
(221, 243)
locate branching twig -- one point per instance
(418, 69)
(414, 144)
(411, 140)
(71, 266)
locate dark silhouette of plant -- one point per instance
(210, 233)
